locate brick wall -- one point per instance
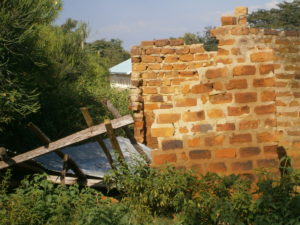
(224, 111)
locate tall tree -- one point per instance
(286, 16)
(210, 43)
(19, 56)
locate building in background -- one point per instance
(120, 75)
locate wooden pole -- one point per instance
(66, 141)
(89, 122)
(65, 168)
(46, 140)
(114, 142)
(110, 107)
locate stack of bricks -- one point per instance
(224, 111)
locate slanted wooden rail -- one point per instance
(66, 141)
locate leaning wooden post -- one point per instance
(89, 122)
(110, 107)
(46, 140)
(65, 168)
(114, 142)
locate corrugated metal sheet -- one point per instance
(122, 68)
(91, 158)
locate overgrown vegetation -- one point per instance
(156, 196)
(47, 72)
(286, 16)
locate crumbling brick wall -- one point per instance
(224, 111)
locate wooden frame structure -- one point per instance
(92, 132)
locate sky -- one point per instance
(133, 21)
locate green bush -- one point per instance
(156, 196)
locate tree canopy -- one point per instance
(286, 16)
(47, 72)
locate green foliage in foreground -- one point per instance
(156, 196)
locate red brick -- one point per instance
(265, 109)
(228, 20)
(195, 142)
(150, 51)
(162, 42)
(213, 141)
(147, 43)
(139, 67)
(166, 106)
(270, 150)
(193, 116)
(176, 42)
(149, 90)
(238, 111)
(240, 30)
(267, 163)
(150, 75)
(200, 57)
(164, 158)
(162, 132)
(244, 70)
(167, 90)
(186, 58)
(217, 167)
(202, 88)
(242, 166)
(223, 52)
(215, 73)
(265, 69)
(264, 82)
(267, 137)
(184, 102)
(156, 98)
(167, 51)
(268, 96)
(168, 118)
(262, 57)
(226, 42)
(197, 48)
(215, 113)
(154, 66)
(225, 127)
(151, 106)
(240, 138)
(249, 151)
(246, 97)
(237, 84)
(167, 67)
(294, 133)
(171, 59)
(183, 50)
(225, 153)
(148, 59)
(248, 124)
(203, 128)
(172, 144)
(180, 66)
(220, 98)
(200, 154)
(224, 60)
(218, 85)
(155, 83)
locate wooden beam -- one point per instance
(89, 122)
(46, 140)
(110, 107)
(65, 168)
(95, 183)
(114, 142)
(69, 140)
